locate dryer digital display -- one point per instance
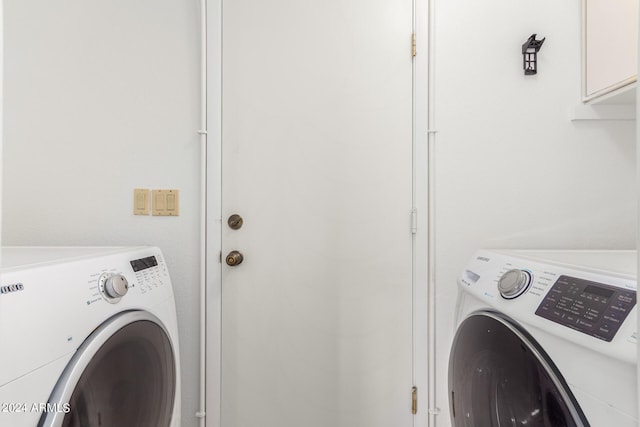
(592, 308)
(144, 263)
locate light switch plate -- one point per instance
(141, 201)
(166, 202)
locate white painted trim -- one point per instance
(421, 203)
(430, 309)
(1, 103)
(638, 199)
(201, 412)
(214, 214)
(583, 49)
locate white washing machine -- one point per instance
(88, 337)
(545, 338)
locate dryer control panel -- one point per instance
(590, 307)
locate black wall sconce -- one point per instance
(530, 50)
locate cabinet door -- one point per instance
(610, 33)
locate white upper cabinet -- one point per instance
(609, 48)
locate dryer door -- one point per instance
(499, 376)
(124, 374)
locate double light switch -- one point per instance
(163, 202)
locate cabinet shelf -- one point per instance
(604, 111)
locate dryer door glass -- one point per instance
(499, 376)
(120, 376)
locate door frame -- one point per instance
(423, 238)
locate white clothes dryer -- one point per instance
(545, 338)
(88, 337)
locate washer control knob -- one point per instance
(514, 283)
(116, 286)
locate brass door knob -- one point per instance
(235, 222)
(234, 258)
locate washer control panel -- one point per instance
(586, 297)
(126, 280)
(596, 309)
(150, 273)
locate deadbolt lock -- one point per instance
(235, 222)
(234, 258)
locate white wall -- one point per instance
(102, 97)
(512, 170)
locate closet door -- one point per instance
(317, 161)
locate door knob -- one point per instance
(234, 258)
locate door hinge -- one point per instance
(413, 44)
(414, 400)
(414, 220)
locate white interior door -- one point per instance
(317, 159)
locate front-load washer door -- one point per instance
(124, 374)
(500, 376)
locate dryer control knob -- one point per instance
(116, 286)
(514, 283)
